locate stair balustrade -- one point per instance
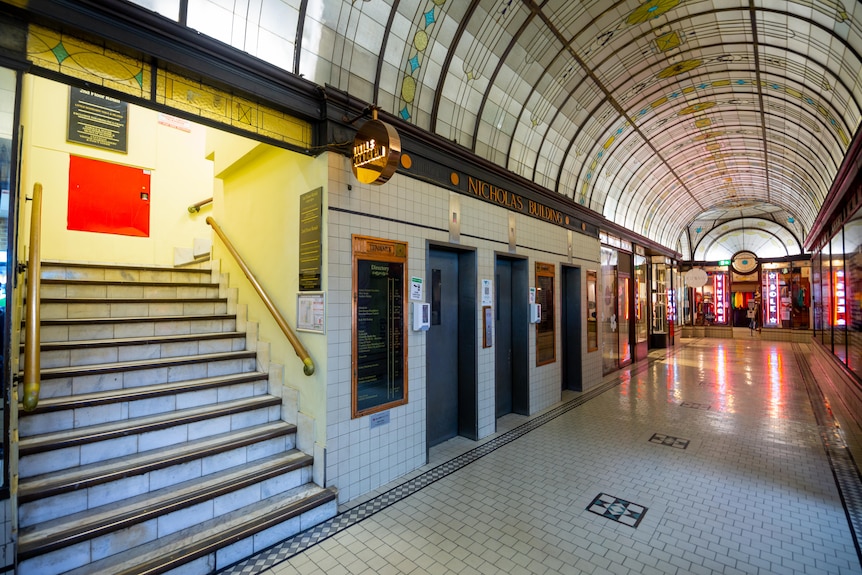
(32, 335)
(301, 353)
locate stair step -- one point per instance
(127, 341)
(123, 366)
(109, 272)
(214, 541)
(55, 483)
(58, 533)
(85, 400)
(91, 434)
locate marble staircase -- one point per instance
(156, 446)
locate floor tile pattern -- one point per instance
(306, 539)
(844, 468)
(617, 509)
(768, 487)
(662, 439)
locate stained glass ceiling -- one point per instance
(659, 115)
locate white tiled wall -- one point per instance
(359, 459)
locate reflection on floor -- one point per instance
(764, 481)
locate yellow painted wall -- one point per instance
(181, 175)
(259, 213)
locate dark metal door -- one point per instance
(442, 348)
(503, 329)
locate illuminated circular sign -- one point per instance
(376, 152)
(744, 262)
(696, 278)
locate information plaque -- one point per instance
(98, 120)
(379, 325)
(310, 242)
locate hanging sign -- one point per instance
(376, 152)
(696, 278)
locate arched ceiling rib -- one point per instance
(651, 113)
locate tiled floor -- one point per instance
(721, 456)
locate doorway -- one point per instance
(450, 345)
(512, 345)
(571, 329)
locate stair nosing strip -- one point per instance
(146, 511)
(82, 282)
(152, 462)
(129, 300)
(135, 319)
(32, 445)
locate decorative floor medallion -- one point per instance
(662, 439)
(617, 509)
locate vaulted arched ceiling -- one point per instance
(650, 113)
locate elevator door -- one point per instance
(442, 348)
(503, 329)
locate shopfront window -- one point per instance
(640, 291)
(853, 289)
(838, 313)
(609, 317)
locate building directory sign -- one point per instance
(379, 325)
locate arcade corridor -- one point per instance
(724, 454)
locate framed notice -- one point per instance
(546, 337)
(379, 325)
(98, 120)
(311, 312)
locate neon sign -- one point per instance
(772, 298)
(840, 299)
(671, 306)
(720, 292)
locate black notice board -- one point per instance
(379, 343)
(310, 261)
(98, 120)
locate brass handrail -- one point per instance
(196, 207)
(32, 336)
(301, 353)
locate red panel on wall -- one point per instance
(108, 198)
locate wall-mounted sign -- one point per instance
(376, 152)
(772, 301)
(98, 120)
(840, 299)
(311, 312)
(379, 324)
(720, 291)
(310, 233)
